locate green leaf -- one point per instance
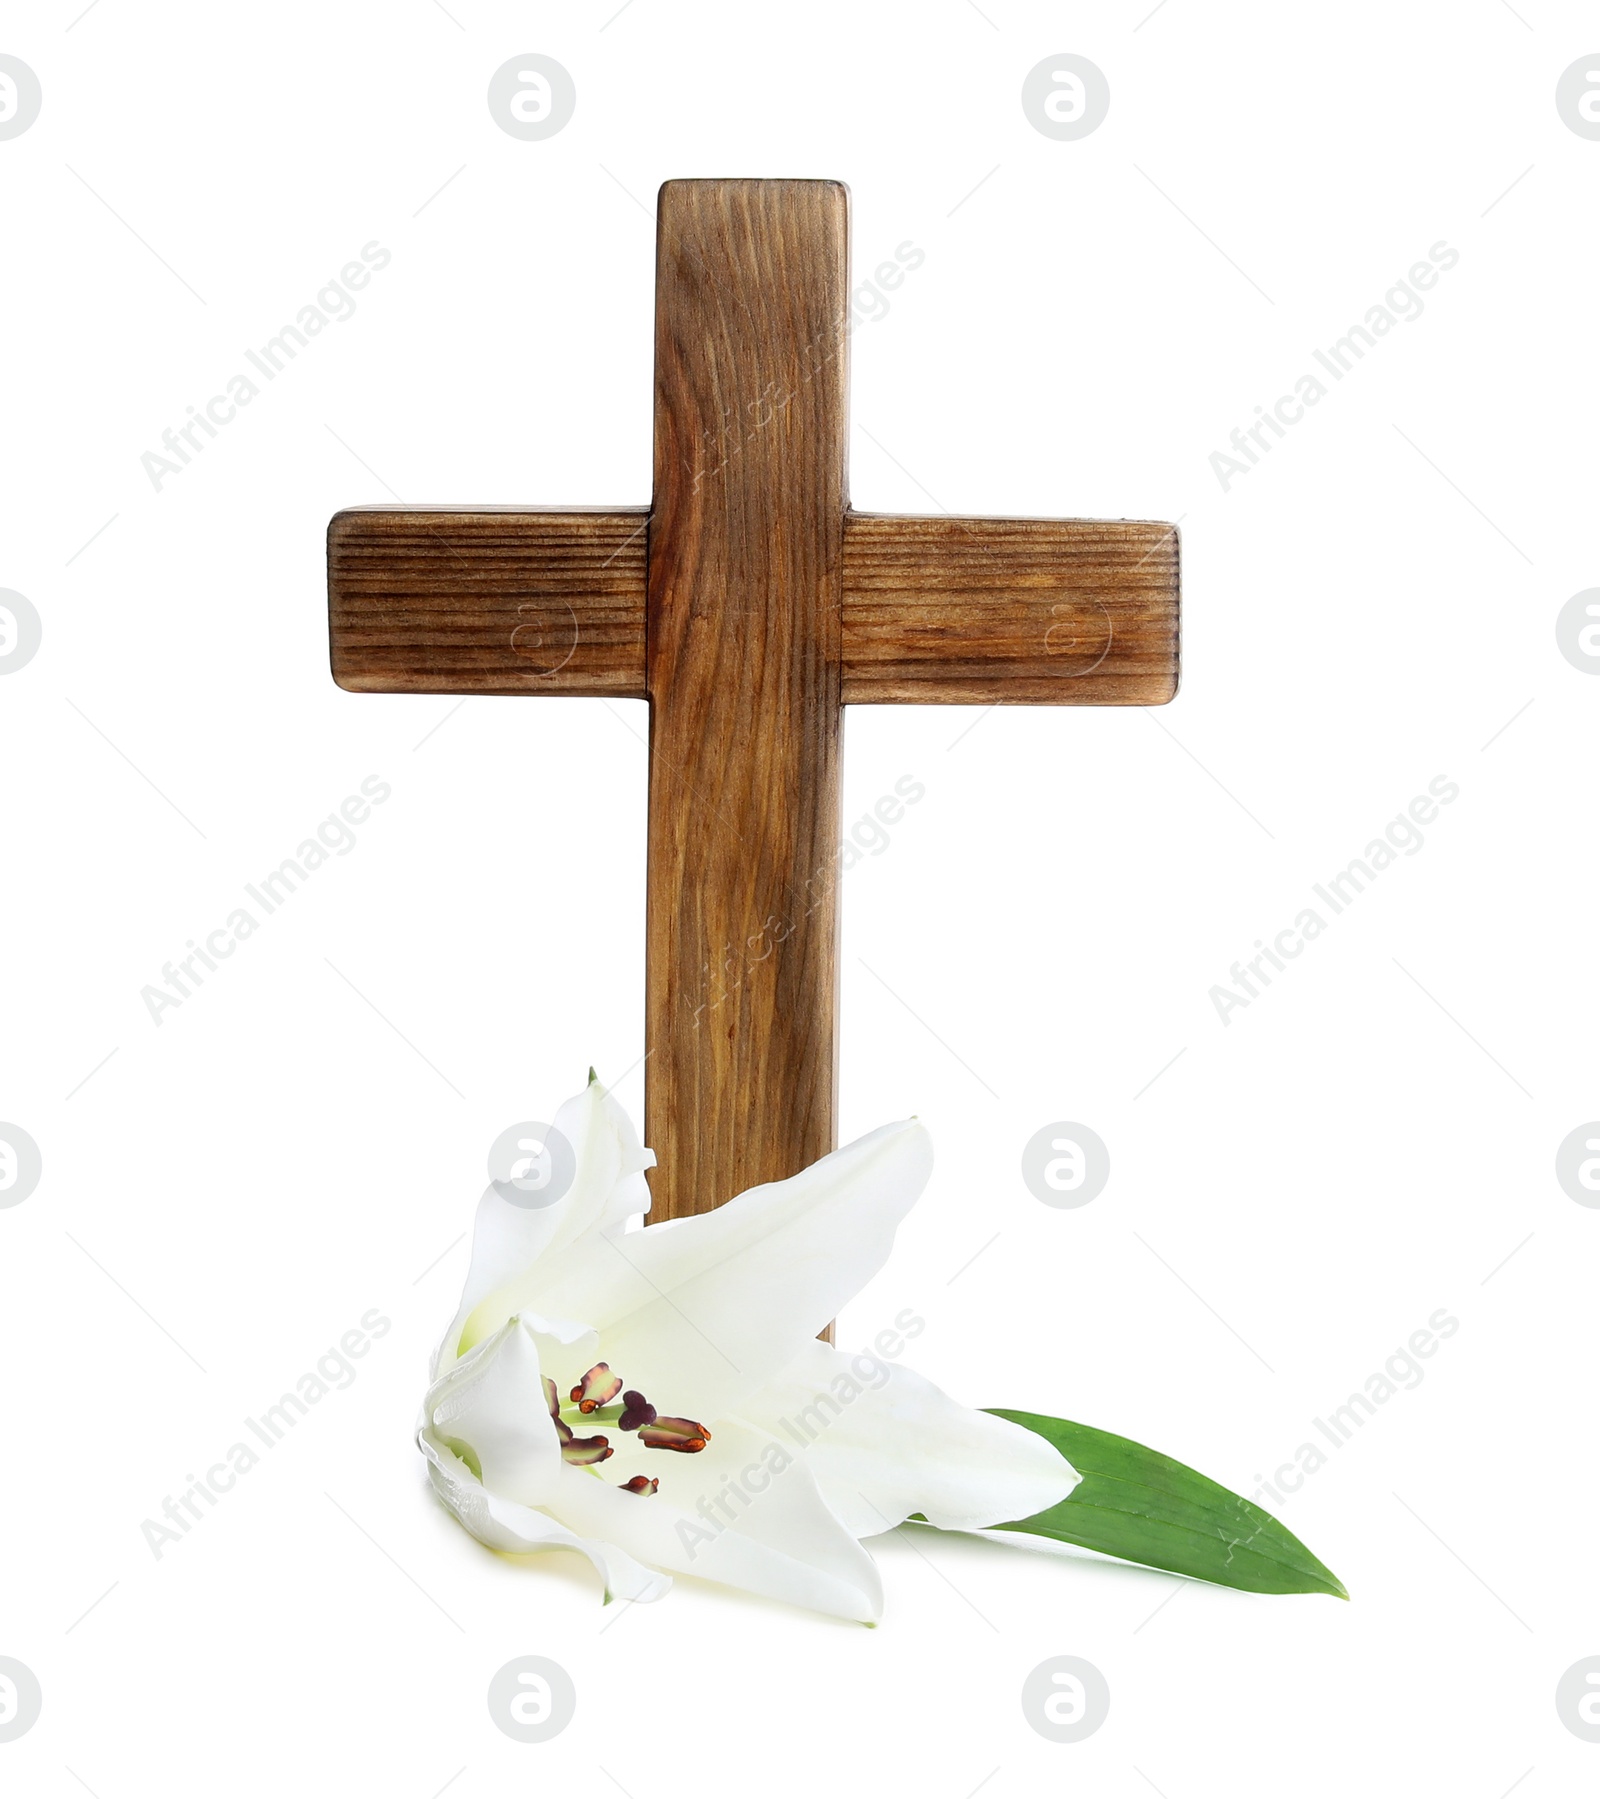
(1144, 1507)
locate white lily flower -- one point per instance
(656, 1398)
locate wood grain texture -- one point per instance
(488, 601)
(936, 611)
(748, 605)
(745, 588)
(975, 611)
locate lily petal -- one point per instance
(744, 1512)
(519, 1530)
(493, 1401)
(703, 1311)
(880, 1453)
(608, 1190)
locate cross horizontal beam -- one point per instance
(953, 611)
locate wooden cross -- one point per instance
(749, 605)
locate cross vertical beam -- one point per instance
(742, 634)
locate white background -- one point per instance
(1290, 1199)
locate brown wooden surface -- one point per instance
(971, 611)
(748, 605)
(488, 601)
(746, 548)
(1058, 612)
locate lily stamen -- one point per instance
(597, 1388)
(584, 1452)
(681, 1434)
(551, 1399)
